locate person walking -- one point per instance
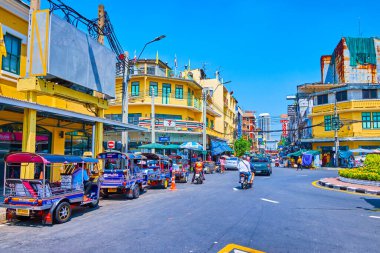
(299, 163)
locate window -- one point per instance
(168, 116)
(376, 119)
(135, 89)
(211, 124)
(341, 96)
(369, 94)
(11, 63)
(179, 91)
(207, 123)
(133, 118)
(366, 120)
(153, 85)
(328, 123)
(322, 99)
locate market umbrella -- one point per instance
(172, 146)
(152, 146)
(191, 145)
(361, 150)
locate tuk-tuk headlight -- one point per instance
(39, 202)
(6, 200)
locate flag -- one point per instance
(135, 57)
(3, 50)
(175, 61)
(157, 57)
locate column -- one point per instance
(29, 135)
(99, 134)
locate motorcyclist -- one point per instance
(245, 167)
(198, 167)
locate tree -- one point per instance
(241, 146)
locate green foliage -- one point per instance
(241, 146)
(370, 171)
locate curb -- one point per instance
(349, 189)
(2, 215)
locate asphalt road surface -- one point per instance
(283, 213)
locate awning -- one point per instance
(219, 147)
(70, 115)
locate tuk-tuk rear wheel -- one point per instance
(63, 212)
(94, 205)
(136, 192)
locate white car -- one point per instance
(231, 163)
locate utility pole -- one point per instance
(153, 120)
(124, 102)
(204, 115)
(335, 123)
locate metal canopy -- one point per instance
(71, 116)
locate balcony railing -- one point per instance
(348, 105)
(172, 125)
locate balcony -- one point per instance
(168, 125)
(214, 133)
(353, 105)
(225, 102)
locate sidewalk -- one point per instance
(335, 183)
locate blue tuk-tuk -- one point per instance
(25, 198)
(158, 170)
(121, 175)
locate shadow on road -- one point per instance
(374, 202)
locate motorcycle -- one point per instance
(198, 179)
(244, 181)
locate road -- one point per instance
(283, 213)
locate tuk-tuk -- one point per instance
(25, 198)
(121, 175)
(158, 170)
(180, 168)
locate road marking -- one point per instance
(315, 184)
(234, 248)
(375, 217)
(271, 201)
(235, 189)
(302, 175)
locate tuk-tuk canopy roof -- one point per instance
(151, 156)
(25, 157)
(112, 155)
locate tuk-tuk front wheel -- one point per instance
(62, 213)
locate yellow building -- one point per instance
(223, 103)
(37, 115)
(358, 109)
(177, 103)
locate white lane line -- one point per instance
(235, 189)
(271, 201)
(375, 217)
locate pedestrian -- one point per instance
(299, 163)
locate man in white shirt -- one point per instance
(245, 167)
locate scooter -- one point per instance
(198, 179)
(244, 181)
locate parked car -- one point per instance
(231, 163)
(262, 165)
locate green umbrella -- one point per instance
(172, 146)
(152, 146)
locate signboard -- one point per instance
(164, 138)
(111, 144)
(169, 123)
(58, 50)
(291, 110)
(66, 181)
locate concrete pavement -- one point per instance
(283, 213)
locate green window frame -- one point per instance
(155, 87)
(366, 120)
(135, 89)
(328, 123)
(376, 120)
(11, 63)
(212, 124)
(179, 91)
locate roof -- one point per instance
(153, 61)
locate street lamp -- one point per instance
(204, 97)
(126, 76)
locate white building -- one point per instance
(264, 125)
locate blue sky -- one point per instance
(265, 48)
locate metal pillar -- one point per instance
(335, 123)
(204, 115)
(153, 120)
